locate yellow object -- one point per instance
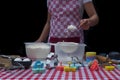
(68, 69)
(109, 68)
(69, 63)
(90, 56)
(90, 53)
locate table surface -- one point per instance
(53, 74)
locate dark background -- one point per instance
(23, 20)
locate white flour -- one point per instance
(37, 51)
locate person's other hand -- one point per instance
(85, 24)
(38, 40)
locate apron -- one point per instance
(65, 13)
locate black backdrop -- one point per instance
(23, 20)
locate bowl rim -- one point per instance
(31, 43)
(35, 43)
(70, 43)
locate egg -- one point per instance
(17, 59)
(26, 59)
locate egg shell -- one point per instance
(17, 59)
(26, 59)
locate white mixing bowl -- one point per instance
(37, 50)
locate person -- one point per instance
(61, 14)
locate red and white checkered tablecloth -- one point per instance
(83, 73)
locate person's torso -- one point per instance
(64, 13)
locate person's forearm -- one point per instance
(94, 20)
(93, 17)
(44, 33)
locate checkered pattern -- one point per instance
(64, 13)
(83, 73)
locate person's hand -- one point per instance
(38, 40)
(85, 24)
